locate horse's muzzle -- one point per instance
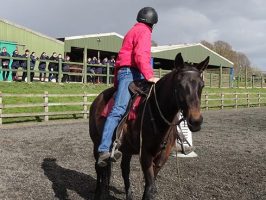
(194, 124)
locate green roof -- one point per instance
(111, 42)
(28, 39)
(193, 53)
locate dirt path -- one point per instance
(55, 162)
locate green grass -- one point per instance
(77, 88)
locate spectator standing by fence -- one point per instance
(65, 69)
(33, 59)
(91, 71)
(5, 63)
(112, 68)
(104, 69)
(52, 66)
(98, 69)
(15, 65)
(42, 66)
(23, 64)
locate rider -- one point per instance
(133, 63)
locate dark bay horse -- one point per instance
(152, 134)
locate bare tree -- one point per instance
(239, 59)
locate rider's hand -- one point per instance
(153, 79)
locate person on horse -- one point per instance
(133, 63)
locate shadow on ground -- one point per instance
(65, 179)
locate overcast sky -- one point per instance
(241, 23)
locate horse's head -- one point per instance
(188, 87)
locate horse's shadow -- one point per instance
(66, 179)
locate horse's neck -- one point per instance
(166, 99)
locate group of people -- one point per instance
(53, 66)
(94, 70)
(17, 62)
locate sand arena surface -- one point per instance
(55, 161)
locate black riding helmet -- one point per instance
(147, 15)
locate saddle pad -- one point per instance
(132, 112)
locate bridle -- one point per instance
(160, 112)
(176, 99)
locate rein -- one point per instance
(160, 112)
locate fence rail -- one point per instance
(232, 100)
(45, 105)
(208, 101)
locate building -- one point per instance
(95, 45)
(16, 36)
(106, 44)
(163, 56)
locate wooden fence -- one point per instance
(232, 100)
(45, 105)
(47, 101)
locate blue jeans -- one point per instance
(125, 76)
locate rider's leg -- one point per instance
(125, 76)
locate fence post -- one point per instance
(246, 77)
(236, 100)
(206, 101)
(85, 65)
(220, 76)
(107, 74)
(28, 69)
(46, 106)
(85, 106)
(1, 108)
(261, 81)
(222, 101)
(230, 81)
(59, 76)
(248, 103)
(252, 81)
(259, 99)
(210, 80)
(160, 72)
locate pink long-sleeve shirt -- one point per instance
(136, 50)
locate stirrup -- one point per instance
(115, 153)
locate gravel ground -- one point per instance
(55, 161)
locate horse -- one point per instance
(152, 134)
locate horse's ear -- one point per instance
(179, 62)
(204, 64)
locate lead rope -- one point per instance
(178, 169)
(161, 114)
(176, 158)
(140, 137)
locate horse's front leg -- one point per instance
(125, 166)
(147, 168)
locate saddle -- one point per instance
(139, 91)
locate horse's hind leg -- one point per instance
(125, 166)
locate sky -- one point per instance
(241, 23)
